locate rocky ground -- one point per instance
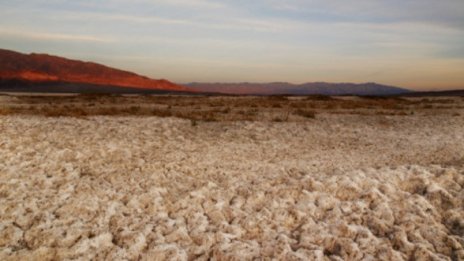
(336, 186)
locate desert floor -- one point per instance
(231, 178)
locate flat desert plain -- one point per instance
(231, 178)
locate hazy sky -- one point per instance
(409, 43)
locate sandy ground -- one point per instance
(337, 187)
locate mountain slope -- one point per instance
(298, 89)
(38, 69)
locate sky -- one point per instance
(417, 44)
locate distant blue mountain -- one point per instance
(276, 88)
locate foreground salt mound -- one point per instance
(388, 214)
(111, 200)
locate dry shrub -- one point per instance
(6, 111)
(373, 97)
(249, 112)
(215, 103)
(402, 113)
(329, 106)
(305, 113)
(106, 111)
(196, 115)
(92, 96)
(221, 110)
(161, 113)
(134, 109)
(298, 104)
(319, 98)
(278, 97)
(390, 106)
(443, 101)
(208, 116)
(225, 108)
(61, 111)
(277, 119)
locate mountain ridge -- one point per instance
(45, 68)
(310, 88)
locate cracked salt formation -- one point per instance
(157, 188)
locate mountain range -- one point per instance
(281, 88)
(47, 73)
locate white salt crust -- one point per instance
(336, 188)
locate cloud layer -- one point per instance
(414, 43)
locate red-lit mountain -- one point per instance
(29, 71)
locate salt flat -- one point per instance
(339, 186)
